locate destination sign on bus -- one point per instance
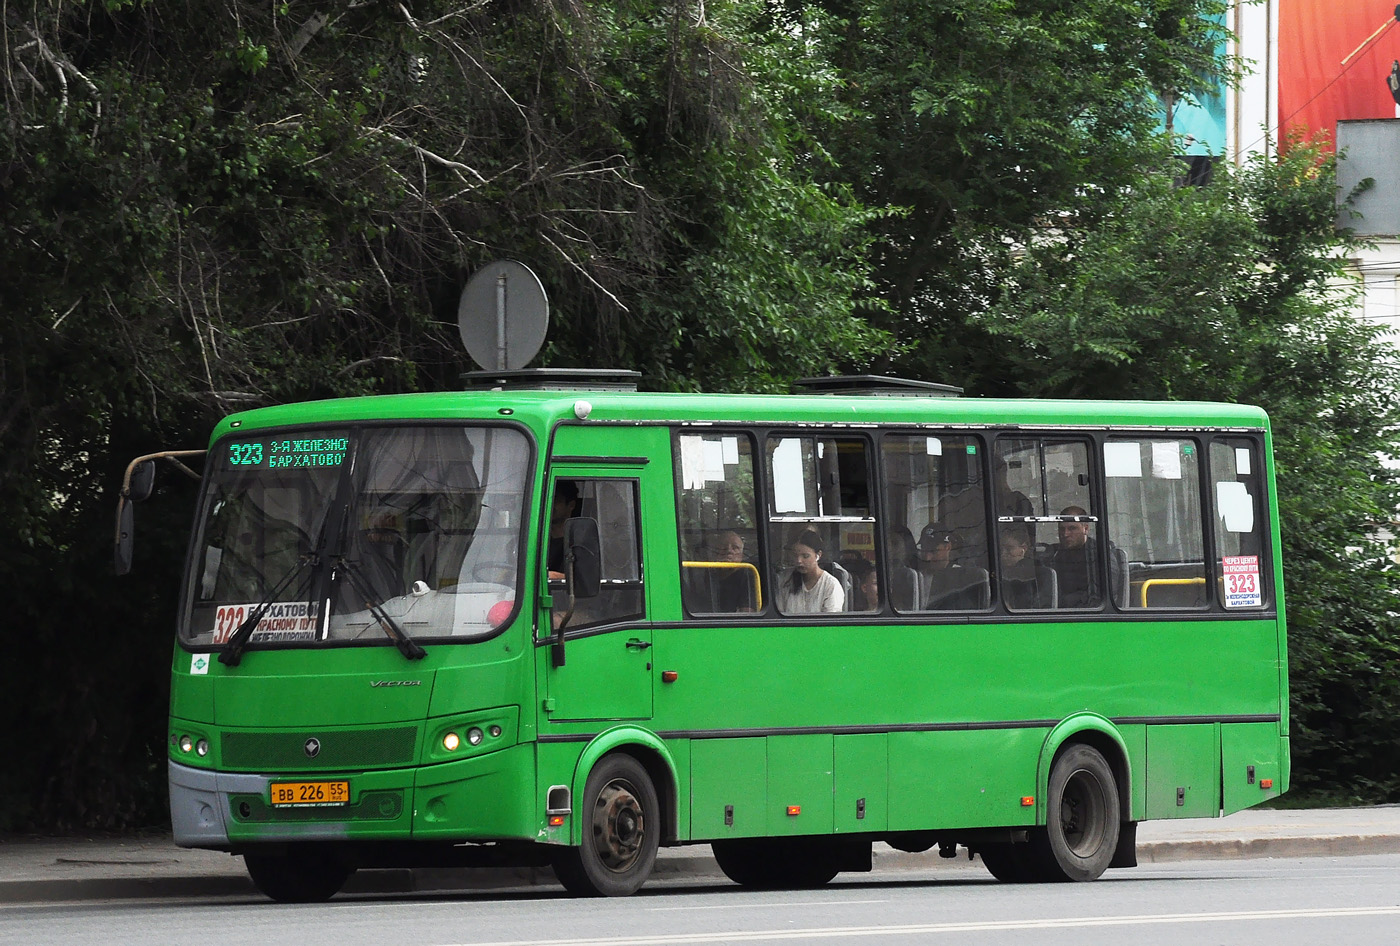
(289, 452)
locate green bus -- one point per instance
(554, 623)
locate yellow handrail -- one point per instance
(757, 589)
(1168, 581)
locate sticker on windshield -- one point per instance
(1242, 586)
(282, 621)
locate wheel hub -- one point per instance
(618, 826)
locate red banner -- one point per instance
(1316, 89)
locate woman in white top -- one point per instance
(809, 588)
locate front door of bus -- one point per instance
(606, 672)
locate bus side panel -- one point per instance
(862, 782)
(1250, 756)
(1183, 771)
(1135, 739)
(487, 797)
(555, 763)
(965, 779)
(728, 774)
(799, 784)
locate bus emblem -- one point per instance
(312, 747)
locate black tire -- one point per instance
(621, 820)
(777, 863)
(298, 876)
(1009, 863)
(1082, 820)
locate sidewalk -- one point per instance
(68, 869)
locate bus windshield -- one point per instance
(330, 530)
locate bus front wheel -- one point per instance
(1082, 819)
(621, 831)
(302, 875)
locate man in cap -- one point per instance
(943, 584)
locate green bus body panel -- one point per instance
(728, 788)
(862, 728)
(1183, 771)
(862, 791)
(970, 779)
(1245, 746)
(492, 796)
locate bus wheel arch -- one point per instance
(651, 753)
(1086, 792)
(1102, 736)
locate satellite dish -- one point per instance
(503, 315)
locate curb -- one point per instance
(442, 880)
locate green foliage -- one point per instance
(1239, 291)
(983, 119)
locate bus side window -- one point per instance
(936, 531)
(1153, 502)
(613, 503)
(821, 508)
(1236, 477)
(1048, 478)
(720, 562)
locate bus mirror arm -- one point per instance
(137, 485)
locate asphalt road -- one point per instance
(1295, 901)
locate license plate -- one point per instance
(296, 794)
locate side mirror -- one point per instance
(141, 481)
(583, 557)
(137, 485)
(123, 549)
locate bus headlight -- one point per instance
(186, 743)
(451, 741)
(474, 736)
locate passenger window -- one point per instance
(1153, 499)
(720, 564)
(936, 539)
(613, 503)
(1237, 486)
(821, 522)
(1042, 501)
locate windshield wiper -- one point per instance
(406, 645)
(238, 640)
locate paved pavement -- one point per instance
(81, 869)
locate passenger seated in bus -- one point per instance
(903, 558)
(728, 589)
(808, 588)
(866, 596)
(945, 585)
(1024, 585)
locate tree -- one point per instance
(981, 119)
(1239, 291)
(221, 205)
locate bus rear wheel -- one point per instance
(1011, 863)
(621, 832)
(777, 863)
(302, 875)
(1082, 822)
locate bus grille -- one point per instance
(339, 749)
